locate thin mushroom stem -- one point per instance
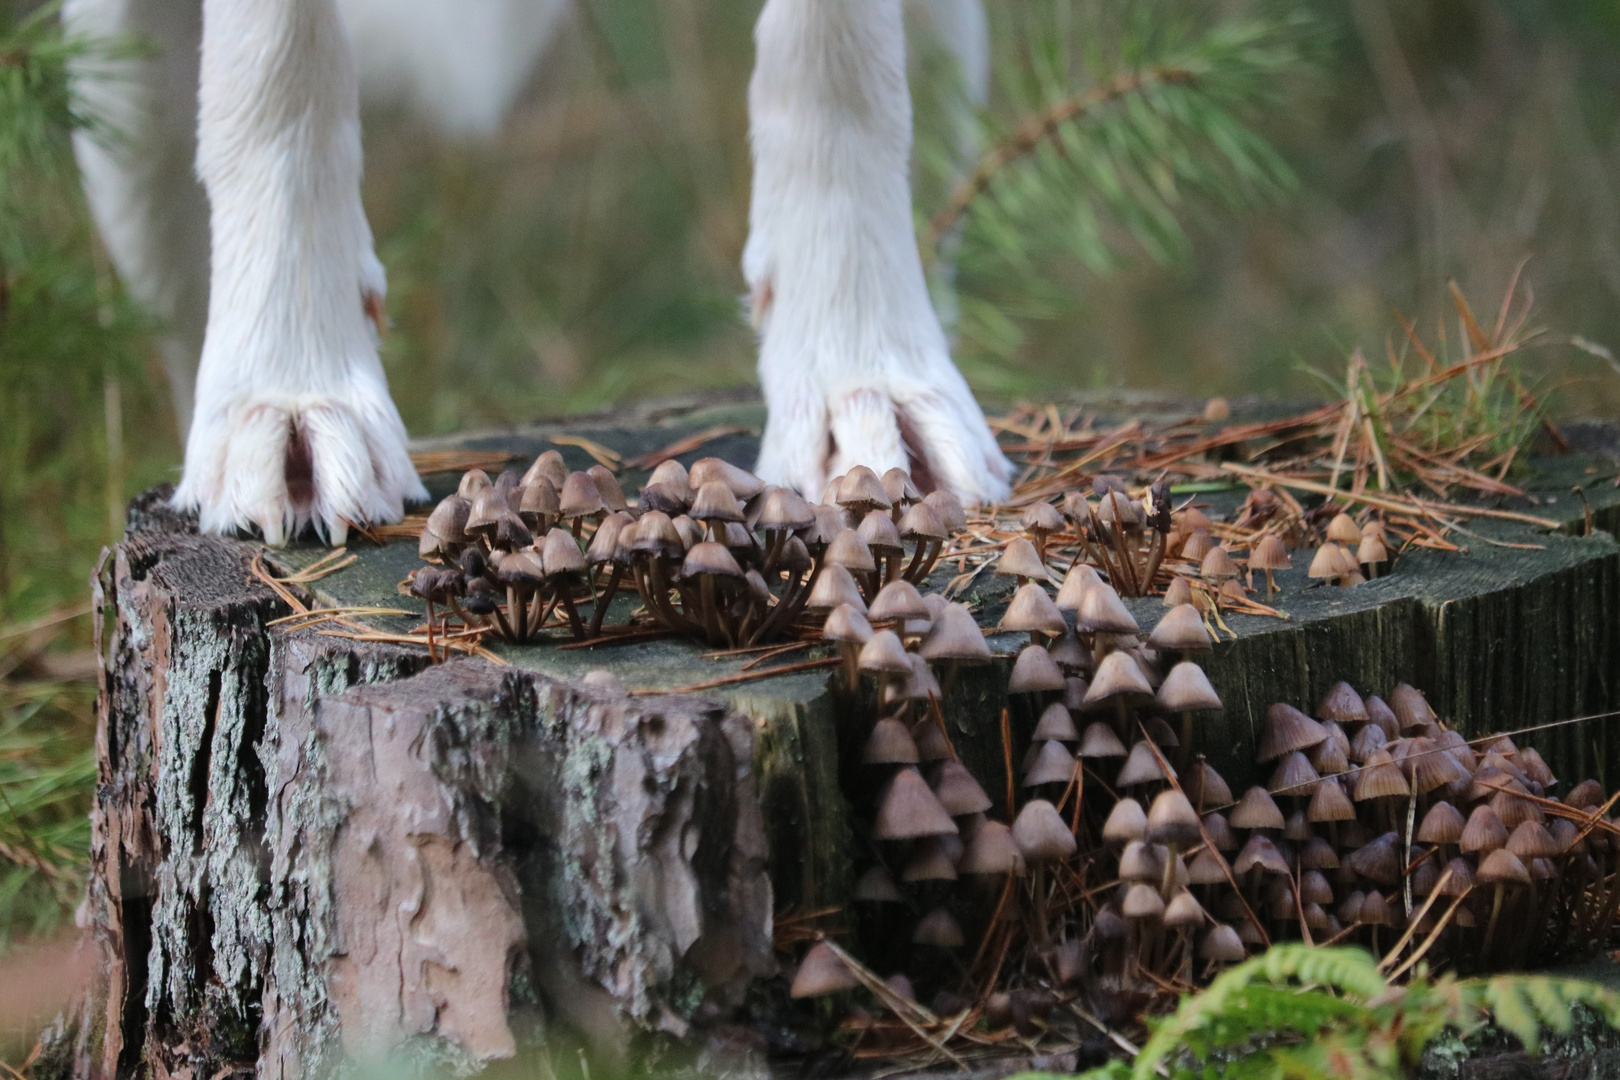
(604, 600)
(1490, 928)
(574, 622)
(432, 656)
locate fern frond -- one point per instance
(1350, 978)
(1527, 1005)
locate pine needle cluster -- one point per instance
(1113, 128)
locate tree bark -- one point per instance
(306, 847)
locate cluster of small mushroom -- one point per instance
(508, 560)
(714, 553)
(1132, 541)
(1370, 809)
(1086, 659)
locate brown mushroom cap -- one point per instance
(897, 485)
(579, 497)
(1141, 862)
(449, 519)
(1205, 786)
(1260, 851)
(821, 973)
(1141, 767)
(885, 654)
(1586, 795)
(1530, 760)
(1330, 803)
(948, 507)
(835, 586)
(958, 792)
(1380, 778)
(1314, 888)
(991, 851)
(1329, 756)
(1181, 630)
(877, 528)
(1375, 910)
(889, 744)
(1117, 676)
(1053, 764)
(742, 483)
(1172, 820)
(845, 624)
(898, 599)
(1269, 553)
(1318, 854)
(1370, 551)
(1217, 565)
(1342, 705)
(1293, 776)
(1328, 562)
(1041, 834)
(1462, 878)
(708, 557)
(1379, 860)
(1206, 869)
(1287, 730)
(1034, 672)
(1099, 741)
(921, 684)
(1222, 946)
(850, 551)
(938, 928)
(1127, 821)
(1367, 741)
(921, 522)
(1183, 912)
(550, 467)
(955, 636)
(1187, 689)
(1102, 612)
(1531, 840)
(1198, 544)
(472, 482)
(1256, 810)
(1055, 723)
(876, 886)
(1484, 831)
(861, 490)
(1411, 709)
(1031, 610)
(1019, 559)
(1344, 530)
(933, 859)
(1081, 577)
(909, 809)
(1143, 903)
(1381, 714)
(1502, 867)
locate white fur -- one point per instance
(139, 172)
(850, 346)
(460, 62)
(289, 357)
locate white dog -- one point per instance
(292, 423)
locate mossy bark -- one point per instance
(307, 849)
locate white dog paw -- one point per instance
(937, 433)
(276, 463)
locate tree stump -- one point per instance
(308, 847)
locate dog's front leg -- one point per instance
(854, 364)
(293, 421)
